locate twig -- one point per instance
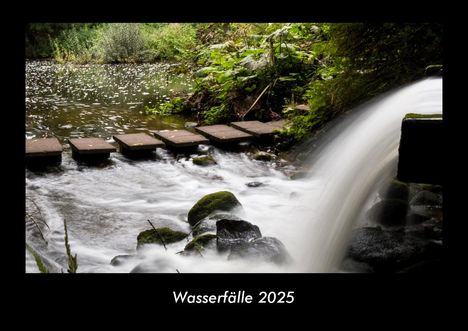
(37, 226)
(177, 271)
(255, 102)
(160, 237)
(39, 210)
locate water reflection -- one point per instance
(99, 100)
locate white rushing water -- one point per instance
(106, 208)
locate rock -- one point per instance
(218, 201)
(234, 232)
(416, 218)
(119, 259)
(426, 198)
(421, 148)
(208, 224)
(205, 160)
(190, 124)
(388, 212)
(395, 190)
(254, 184)
(263, 156)
(300, 174)
(385, 250)
(434, 70)
(159, 236)
(200, 243)
(267, 249)
(351, 265)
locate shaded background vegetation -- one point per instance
(257, 71)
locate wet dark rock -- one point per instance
(234, 232)
(202, 242)
(388, 250)
(160, 236)
(351, 265)
(120, 259)
(263, 156)
(267, 249)
(395, 190)
(416, 218)
(204, 160)
(426, 198)
(218, 201)
(388, 212)
(254, 184)
(208, 225)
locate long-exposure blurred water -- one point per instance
(107, 207)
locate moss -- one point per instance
(161, 236)
(200, 242)
(204, 160)
(222, 200)
(263, 156)
(415, 116)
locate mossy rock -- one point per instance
(222, 201)
(205, 160)
(418, 116)
(160, 236)
(200, 242)
(395, 190)
(263, 156)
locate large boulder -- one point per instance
(267, 249)
(395, 190)
(234, 232)
(208, 224)
(218, 201)
(387, 250)
(388, 212)
(160, 236)
(427, 198)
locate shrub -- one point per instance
(121, 42)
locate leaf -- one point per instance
(38, 259)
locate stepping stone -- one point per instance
(255, 128)
(180, 138)
(43, 151)
(137, 142)
(90, 149)
(278, 124)
(223, 134)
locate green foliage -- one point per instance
(72, 260)
(121, 42)
(174, 41)
(40, 264)
(75, 44)
(176, 106)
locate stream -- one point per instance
(105, 208)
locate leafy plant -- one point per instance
(40, 264)
(72, 260)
